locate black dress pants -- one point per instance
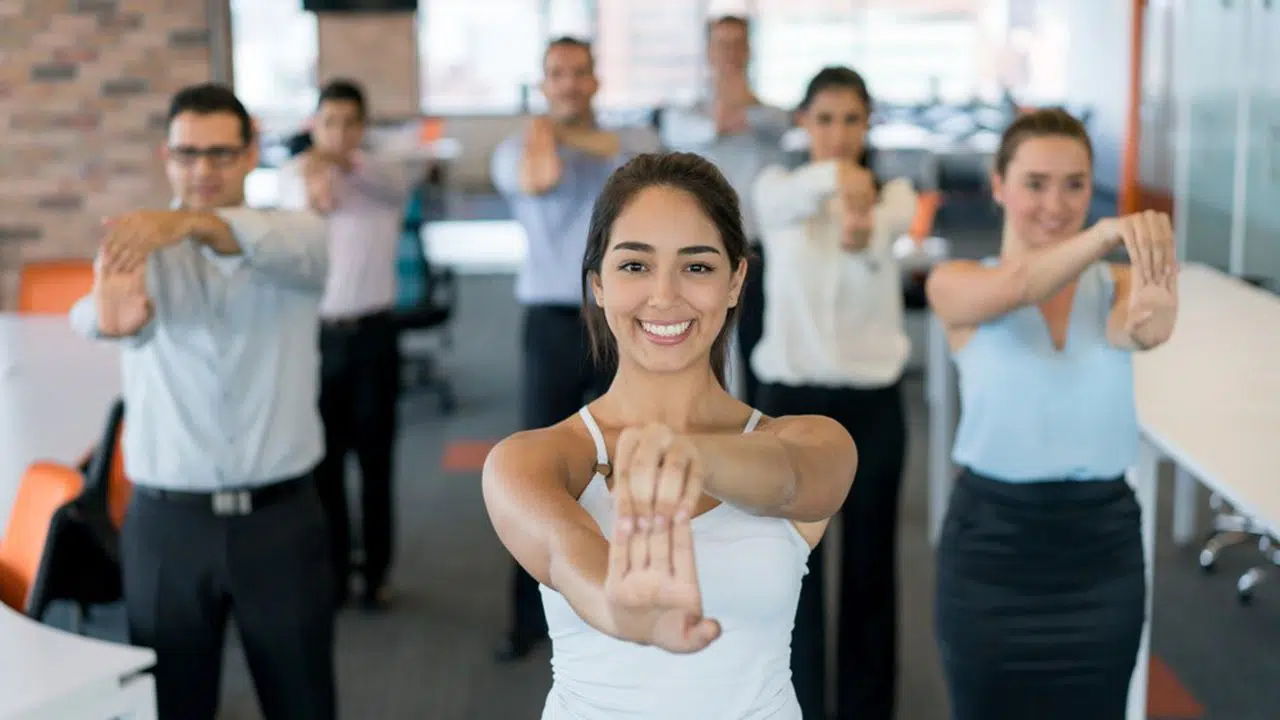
(187, 569)
(557, 378)
(867, 642)
(751, 322)
(359, 391)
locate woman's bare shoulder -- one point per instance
(564, 449)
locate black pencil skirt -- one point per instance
(1041, 598)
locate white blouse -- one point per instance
(832, 317)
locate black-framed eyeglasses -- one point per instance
(219, 155)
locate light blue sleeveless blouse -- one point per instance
(1030, 412)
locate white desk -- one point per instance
(48, 674)
(55, 391)
(476, 246)
(1208, 400)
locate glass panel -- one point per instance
(648, 53)
(479, 57)
(274, 51)
(793, 39)
(1262, 211)
(1213, 31)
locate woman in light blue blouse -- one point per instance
(1041, 584)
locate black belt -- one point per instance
(232, 501)
(357, 321)
(568, 311)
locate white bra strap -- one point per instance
(602, 452)
(752, 421)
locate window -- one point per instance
(793, 39)
(274, 52)
(649, 53)
(575, 18)
(486, 57)
(479, 57)
(905, 50)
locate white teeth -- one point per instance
(666, 330)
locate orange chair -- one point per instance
(52, 287)
(119, 487)
(46, 490)
(926, 210)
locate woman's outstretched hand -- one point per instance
(652, 583)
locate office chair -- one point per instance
(107, 489)
(428, 296)
(36, 552)
(82, 564)
(1230, 528)
(53, 286)
(1269, 546)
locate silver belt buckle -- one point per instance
(232, 502)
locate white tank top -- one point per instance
(749, 569)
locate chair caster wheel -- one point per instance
(1208, 560)
(1247, 583)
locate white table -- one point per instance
(1208, 400)
(48, 674)
(476, 246)
(55, 391)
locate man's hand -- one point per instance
(589, 139)
(540, 168)
(729, 108)
(131, 237)
(121, 300)
(318, 172)
(343, 162)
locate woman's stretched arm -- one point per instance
(525, 486)
(797, 467)
(966, 293)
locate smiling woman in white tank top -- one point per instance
(668, 523)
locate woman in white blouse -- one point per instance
(834, 345)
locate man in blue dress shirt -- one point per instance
(216, 308)
(550, 174)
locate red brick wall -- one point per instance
(380, 50)
(84, 86)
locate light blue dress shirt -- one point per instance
(740, 157)
(555, 223)
(221, 386)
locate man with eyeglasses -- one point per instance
(215, 307)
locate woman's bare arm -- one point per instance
(965, 293)
(799, 467)
(525, 486)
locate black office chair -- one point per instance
(81, 562)
(94, 503)
(429, 295)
